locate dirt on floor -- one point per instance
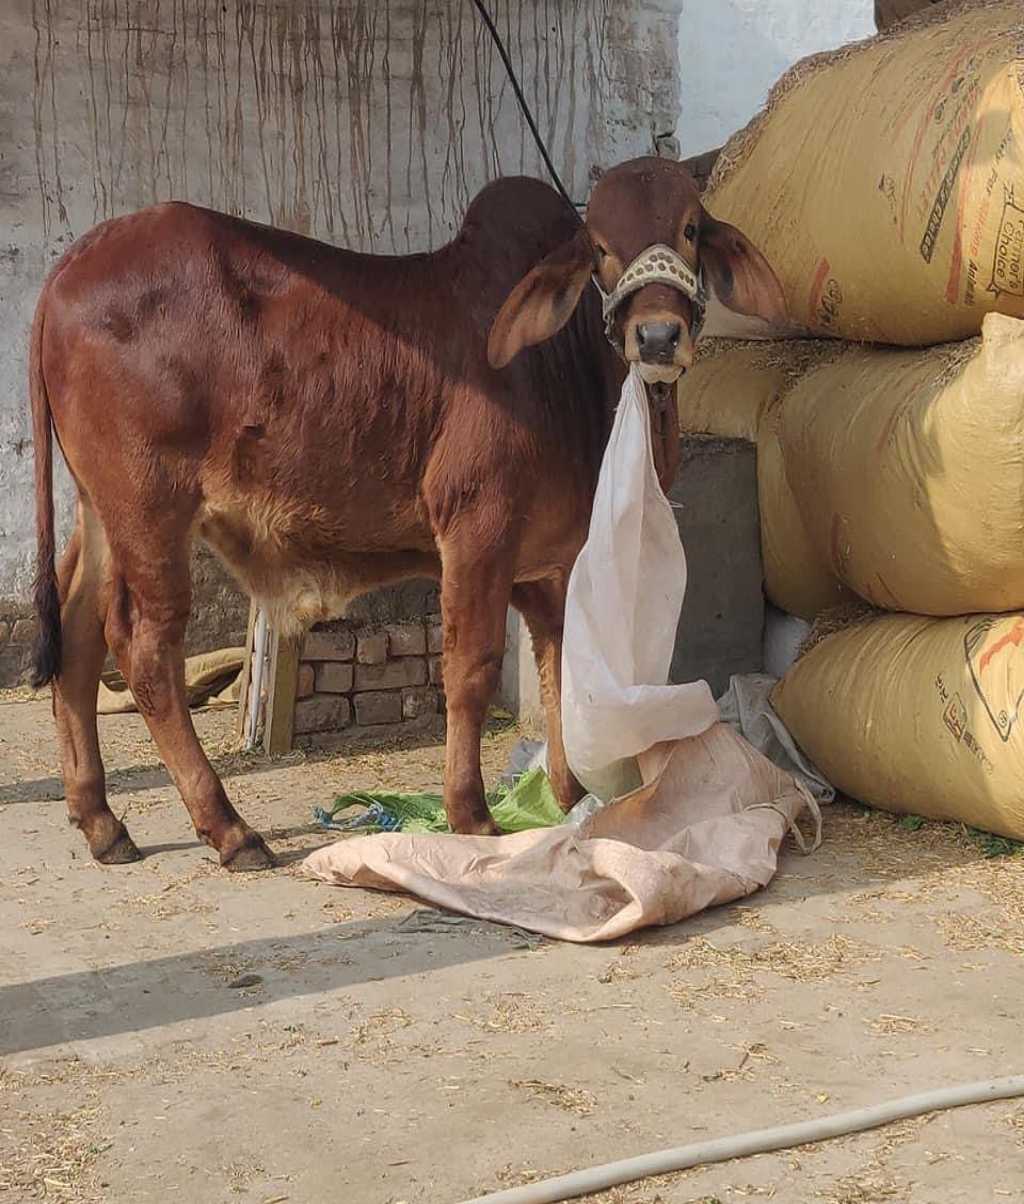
(169, 1031)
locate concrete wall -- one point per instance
(369, 123)
(732, 51)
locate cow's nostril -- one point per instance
(658, 340)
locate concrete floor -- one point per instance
(380, 1057)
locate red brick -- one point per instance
(411, 671)
(407, 640)
(333, 677)
(304, 685)
(322, 713)
(422, 700)
(329, 646)
(24, 631)
(373, 648)
(378, 707)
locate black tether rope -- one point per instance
(523, 105)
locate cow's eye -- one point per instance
(690, 233)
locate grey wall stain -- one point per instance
(370, 121)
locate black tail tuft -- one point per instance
(46, 651)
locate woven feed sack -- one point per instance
(908, 470)
(885, 181)
(728, 388)
(796, 577)
(917, 715)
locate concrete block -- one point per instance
(329, 645)
(411, 671)
(305, 681)
(722, 624)
(372, 648)
(333, 677)
(406, 639)
(322, 712)
(421, 700)
(378, 707)
(436, 671)
(435, 638)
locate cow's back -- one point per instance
(296, 395)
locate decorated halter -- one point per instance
(658, 264)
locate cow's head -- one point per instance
(649, 244)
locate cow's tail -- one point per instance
(46, 654)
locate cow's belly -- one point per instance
(302, 566)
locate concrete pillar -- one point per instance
(722, 625)
(519, 692)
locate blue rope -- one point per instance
(374, 816)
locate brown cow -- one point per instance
(330, 422)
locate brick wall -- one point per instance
(17, 631)
(375, 681)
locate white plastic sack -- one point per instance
(746, 707)
(783, 636)
(622, 608)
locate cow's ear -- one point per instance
(543, 301)
(742, 278)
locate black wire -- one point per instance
(523, 105)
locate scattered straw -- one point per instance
(836, 619)
(797, 962)
(514, 1012)
(381, 1025)
(888, 1025)
(866, 1187)
(690, 994)
(569, 1099)
(797, 358)
(972, 932)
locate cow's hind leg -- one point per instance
(542, 605)
(83, 584)
(149, 610)
(476, 580)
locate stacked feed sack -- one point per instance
(885, 183)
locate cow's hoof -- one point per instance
(253, 855)
(121, 852)
(479, 827)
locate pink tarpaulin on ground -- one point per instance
(704, 829)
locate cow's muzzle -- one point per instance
(658, 264)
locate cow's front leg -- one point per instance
(542, 605)
(476, 581)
